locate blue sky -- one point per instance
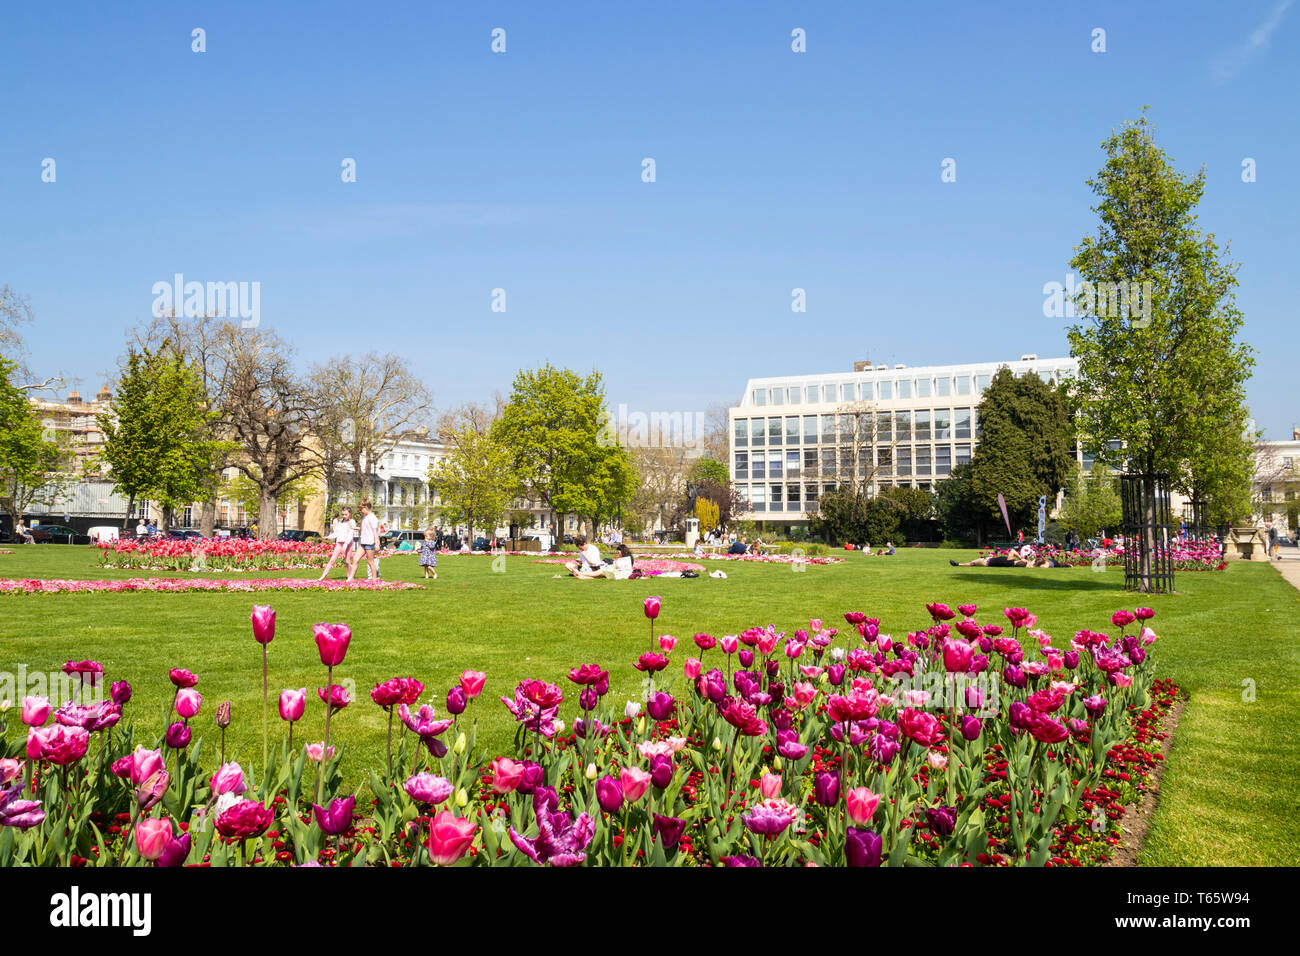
(522, 171)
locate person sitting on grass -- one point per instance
(589, 563)
(1009, 560)
(623, 563)
(738, 547)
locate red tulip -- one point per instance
(450, 837)
(182, 678)
(472, 682)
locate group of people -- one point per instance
(1026, 557)
(346, 536)
(590, 564)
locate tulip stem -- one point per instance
(390, 741)
(324, 755)
(265, 730)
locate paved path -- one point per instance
(1289, 565)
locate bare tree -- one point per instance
(863, 448)
(661, 480)
(16, 310)
(374, 400)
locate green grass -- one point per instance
(1226, 798)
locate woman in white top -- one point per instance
(623, 563)
(341, 533)
(589, 564)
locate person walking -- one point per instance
(341, 534)
(370, 540)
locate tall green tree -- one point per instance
(961, 515)
(551, 426)
(1166, 381)
(1091, 503)
(157, 433)
(1026, 447)
(34, 460)
(475, 479)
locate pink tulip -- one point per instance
(729, 643)
(692, 668)
(58, 744)
(862, 804)
(472, 682)
(149, 793)
(450, 837)
(292, 704)
(152, 837)
(652, 607)
(332, 640)
(318, 751)
(633, 782)
(229, 778)
(10, 769)
(666, 643)
(769, 785)
(263, 618)
(144, 764)
(36, 710)
(506, 774)
(188, 702)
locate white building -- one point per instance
(793, 438)
(1277, 483)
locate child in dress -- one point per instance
(429, 555)
(341, 534)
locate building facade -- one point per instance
(794, 438)
(1277, 484)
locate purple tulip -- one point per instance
(740, 861)
(1071, 659)
(456, 700)
(836, 674)
(178, 735)
(533, 776)
(609, 794)
(882, 749)
(120, 693)
(588, 698)
(661, 772)
(16, 812)
(1014, 676)
(669, 830)
(659, 705)
(826, 789)
(746, 657)
(862, 848)
(336, 820)
(942, 819)
(175, 852)
(971, 727)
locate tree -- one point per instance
(475, 479)
(662, 474)
(1026, 447)
(1165, 385)
(372, 402)
(1218, 475)
(915, 508)
(34, 461)
(708, 512)
(157, 433)
(550, 426)
(865, 440)
(709, 469)
(247, 495)
(271, 413)
(1092, 503)
(961, 515)
(15, 311)
(846, 515)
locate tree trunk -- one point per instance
(130, 509)
(169, 515)
(207, 518)
(267, 515)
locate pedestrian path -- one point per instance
(1289, 566)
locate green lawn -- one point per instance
(1227, 797)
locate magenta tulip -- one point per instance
(450, 837)
(188, 702)
(263, 618)
(292, 704)
(152, 837)
(332, 640)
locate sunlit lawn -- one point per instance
(1227, 797)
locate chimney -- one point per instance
(862, 366)
(104, 394)
(74, 398)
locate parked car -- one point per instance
(480, 544)
(104, 533)
(57, 534)
(182, 534)
(5, 536)
(394, 539)
(293, 536)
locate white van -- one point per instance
(104, 534)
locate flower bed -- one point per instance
(770, 749)
(1206, 556)
(213, 554)
(254, 585)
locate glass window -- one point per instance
(942, 460)
(903, 425)
(904, 388)
(792, 464)
(774, 431)
(760, 396)
(810, 460)
(848, 392)
(963, 454)
(886, 391)
(810, 429)
(812, 395)
(791, 497)
(792, 431)
(923, 425)
(810, 496)
(827, 488)
(828, 393)
(963, 384)
(977, 423)
(774, 464)
(774, 498)
(884, 426)
(828, 428)
(756, 432)
(943, 386)
(963, 423)
(758, 498)
(922, 460)
(846, 428)
(795, 395)
(742, 464)
(778, 396)
(922, 388)
(1046, 375)
(868, 391)
(828, 462)
(760, 465)
(742, 492)
(942, 423)
(846, 463)
(903, 460)
(741, 438)
(885, 461)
